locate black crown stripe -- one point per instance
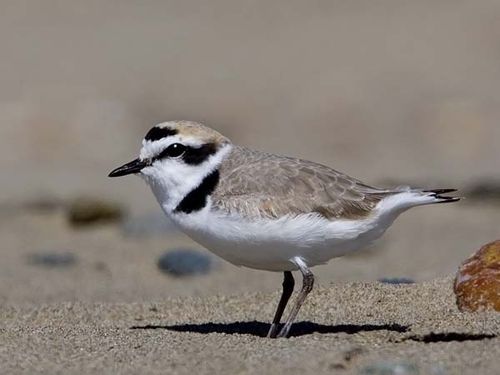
(157, 133)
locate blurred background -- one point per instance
(392, 92)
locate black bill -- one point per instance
(135, 166)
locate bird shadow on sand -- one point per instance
(260, 329)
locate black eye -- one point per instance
(174, 150)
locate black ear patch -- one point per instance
(197, 155)
(197, 198)
(157, 133)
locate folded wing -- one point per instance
(256, 184)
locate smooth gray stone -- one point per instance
(185, 262)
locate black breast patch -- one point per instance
(197, 198)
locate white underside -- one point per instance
(272, 244)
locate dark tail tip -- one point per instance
(438, 194)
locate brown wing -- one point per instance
(256, 184)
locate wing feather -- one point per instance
(256, 184)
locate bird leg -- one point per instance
(307, 285)
(288, 284)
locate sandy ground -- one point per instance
(344, 328)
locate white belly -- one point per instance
(270, 244)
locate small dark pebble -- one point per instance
(396, 280)
(353, 353)
(488, 190)
(185, 262)
(52, 259)
(87, 211)
(148, 225)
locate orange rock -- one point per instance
(477, 284)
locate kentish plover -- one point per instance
(265, 211)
